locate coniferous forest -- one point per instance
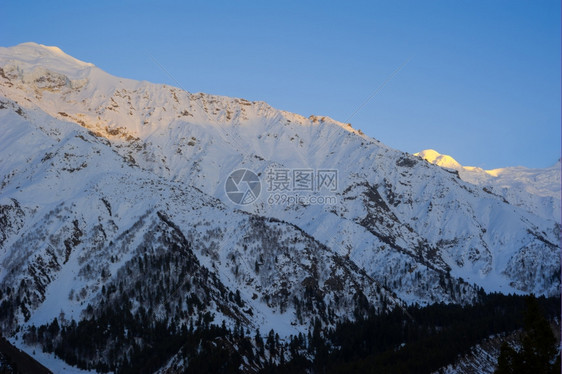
(411, 340)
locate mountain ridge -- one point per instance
(99, 171)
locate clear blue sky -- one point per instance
(483, 84)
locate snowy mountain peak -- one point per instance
(538, 190)
(49, 57)
(39, 53)
(436, 158)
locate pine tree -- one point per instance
(538, 353)
(508, 360)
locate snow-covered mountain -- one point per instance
(537, 190)
(113, 184)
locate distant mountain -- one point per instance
(436, 158)
(537, 190)
(119, 194)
